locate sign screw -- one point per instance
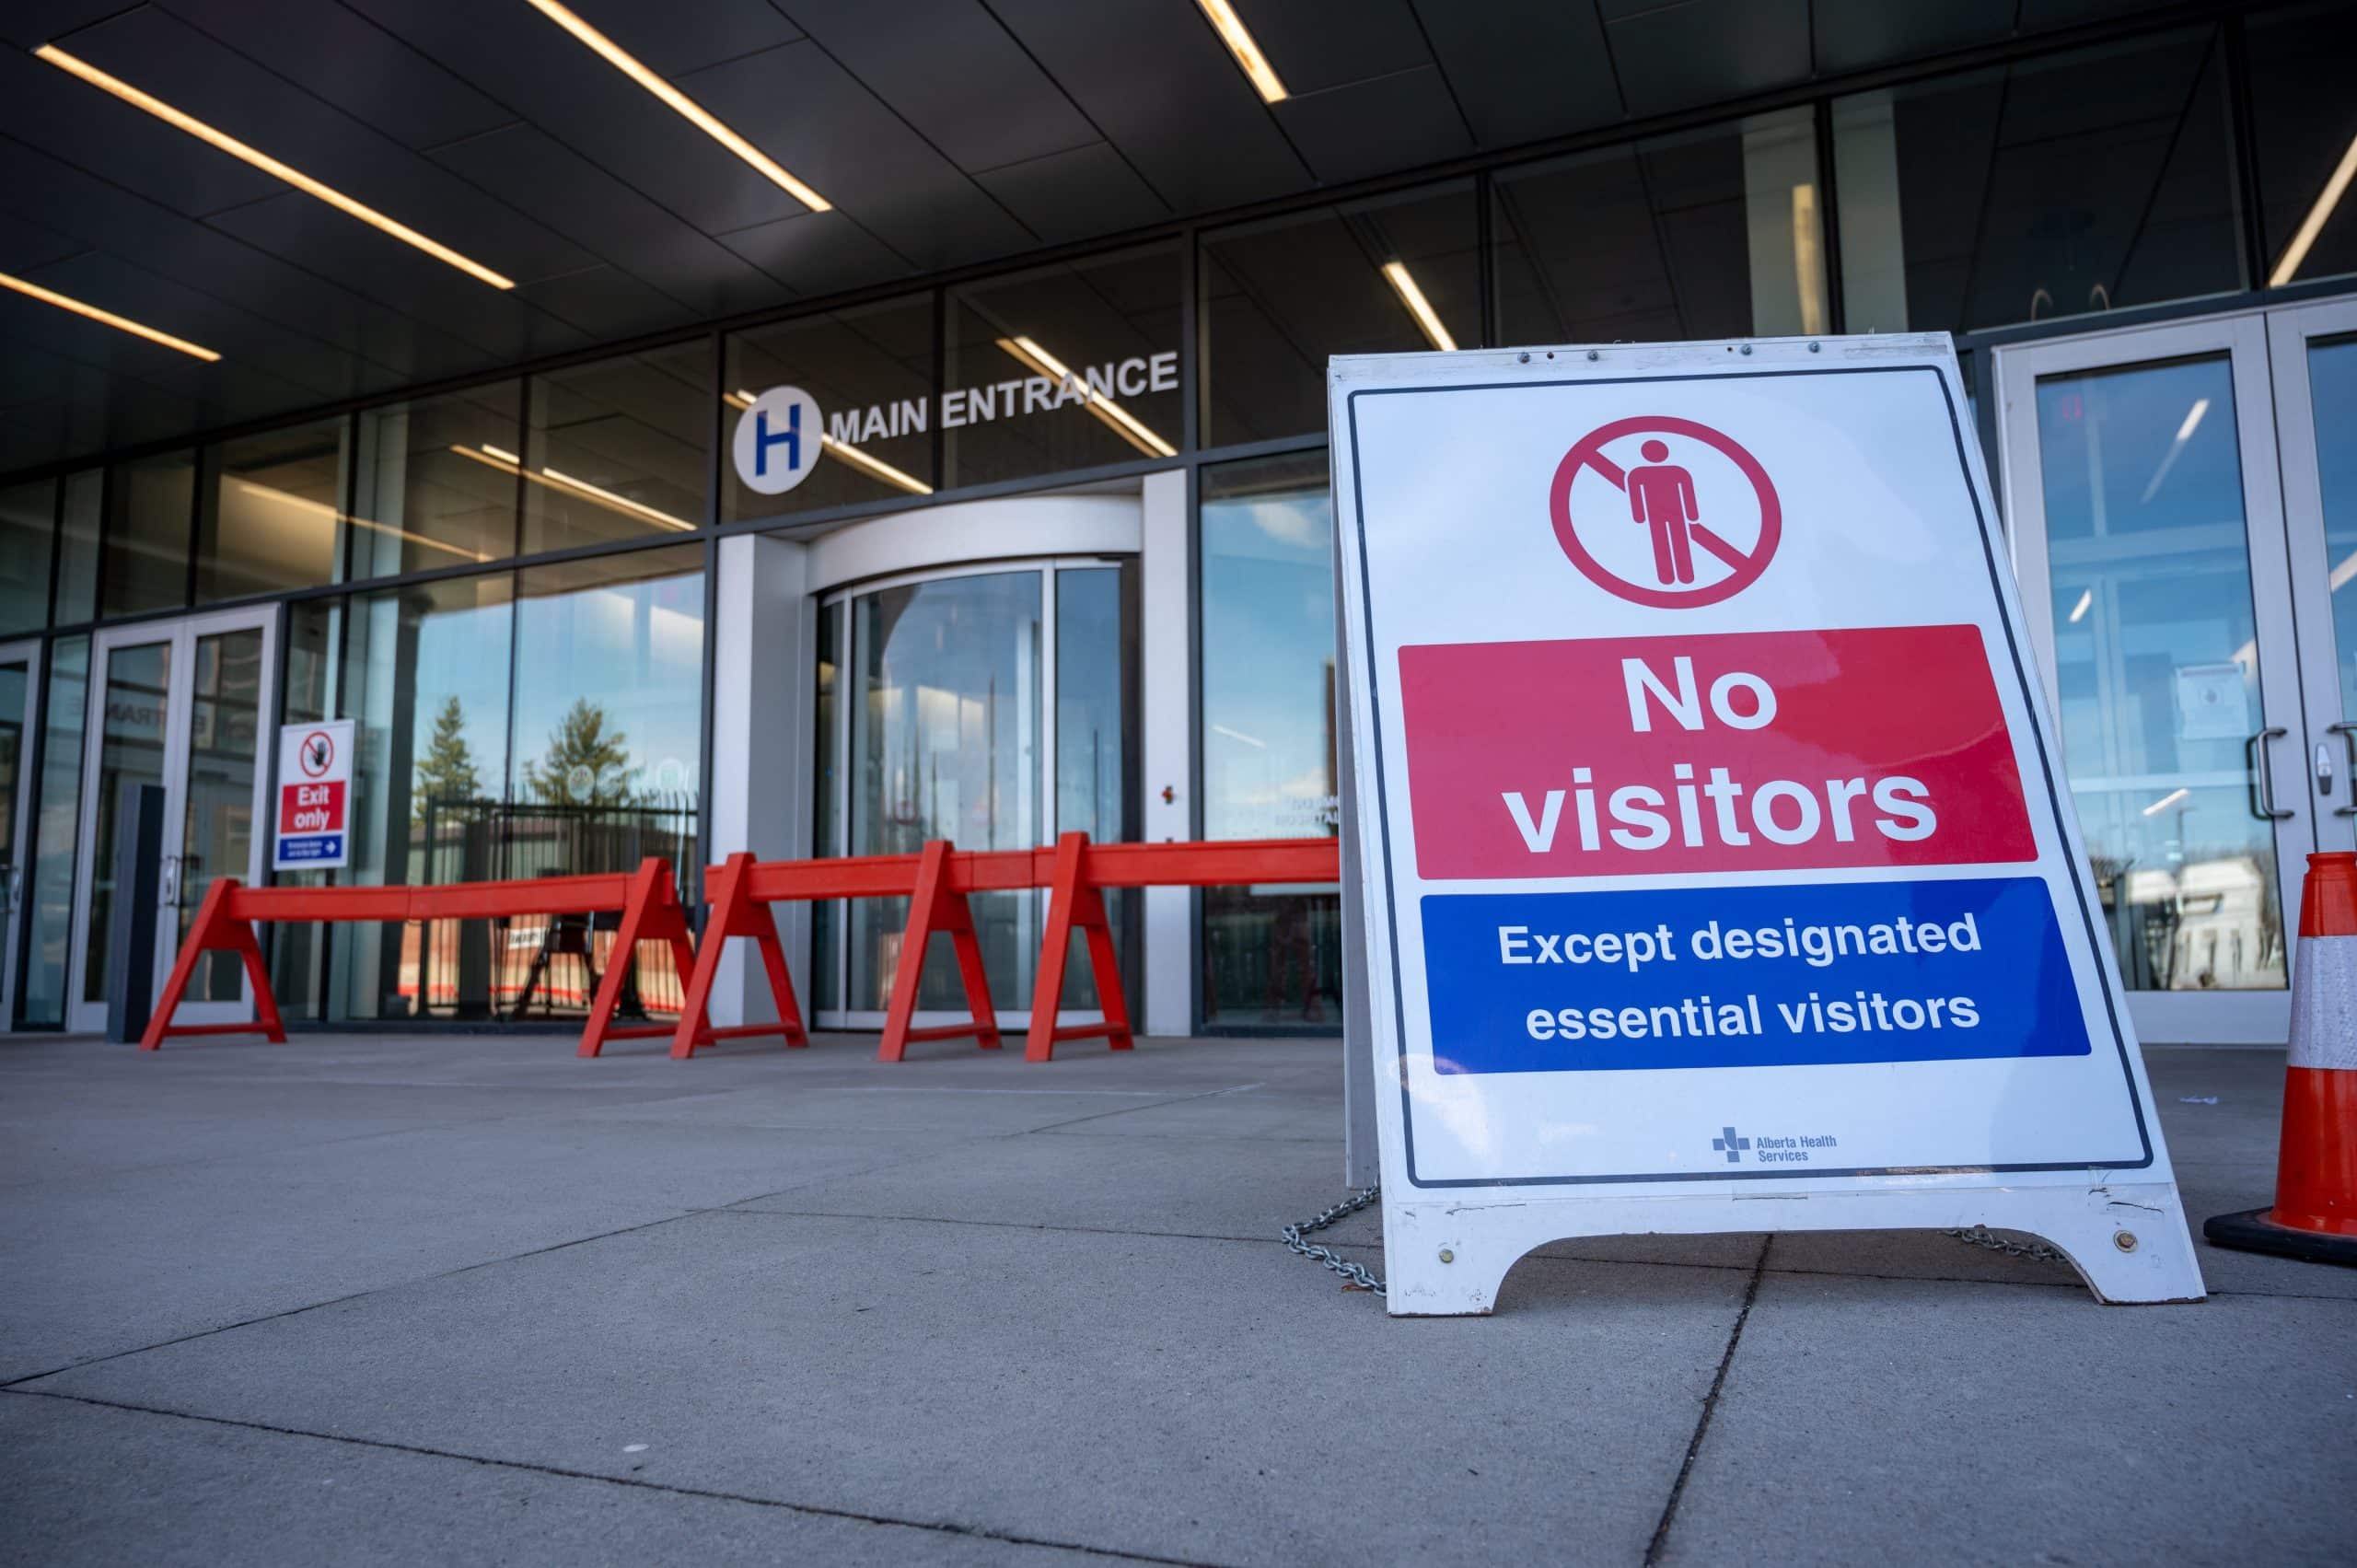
(2125, 1240)
(1747, 348)
(1812, 348)
(1446, 1256)
(1592, 354)
(1522, 358)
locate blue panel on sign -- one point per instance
(321, 846)
(1748, 977)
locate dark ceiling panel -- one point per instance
(677, 39)
(48, 108)
(948, 68)
(800, 107)
(1316, 45)
(323, 240)
(1156, 80)
(1685, 52)
(25, 244)
(519, 57)
(104, 217)
(818, 253)
(35, 22)
(2038, 16)
(536, 174)
(606, 303)
(1375, 127)
(1854, 35)
(1073, 195)
(341, 58)
(1523, 69)
(203, 77)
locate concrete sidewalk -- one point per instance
(401, 1299)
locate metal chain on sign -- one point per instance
(1981, 1235)
(1355, 1274)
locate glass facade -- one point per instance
(505, 584)
(1270, 955)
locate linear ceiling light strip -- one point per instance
(120, 323)
(1240, 43)
(504, 461)
(267, 164)
(688, 109)
(2312, 225)
(1418, 307)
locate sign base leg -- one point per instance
(2127, 1240)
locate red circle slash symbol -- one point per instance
(1660, 494)
(317, 753)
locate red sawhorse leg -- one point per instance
(934, 907)
(1073, 902)
(215, 931)
(651, 913)
(735, 913)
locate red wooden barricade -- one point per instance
(1083, 871)
(937, 884)
(647, 900)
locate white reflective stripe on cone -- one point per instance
(2324, 1004)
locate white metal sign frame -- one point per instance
(1458, 1215)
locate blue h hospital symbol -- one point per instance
(791, 436)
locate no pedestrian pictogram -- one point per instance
(1708, 542)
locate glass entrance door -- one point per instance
(2161, 579)
(180, 705)
(19, 722)
(993, 706)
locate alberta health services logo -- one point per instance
(778, 440)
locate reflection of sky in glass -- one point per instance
(461, 653)
(2332, 387)
(2157, 667)
(634, 649)
(1268, 608)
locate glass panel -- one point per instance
(28, 527)
(77, 545)
(425, 673)
(2070, 183)
(1096, 738)
(2304, 127)
(437, 482)
(826, 962)
(607, 732)
(130, 753)
(224, 740)
(314, 630)
(1278, 297)
(2159, 669)
(150, 506)
(15, 686)
(1066, 367)
(271, 503)
(1271, 955)
(618, 449)
(946, 745)
(1711, 233)
(871, 372)
(2332, 389)
(57, 827)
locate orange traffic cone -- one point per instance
(2315, 1216)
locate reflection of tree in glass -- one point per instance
(447, 772)
(587, 763)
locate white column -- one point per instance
(764, 687)
(1166, 682)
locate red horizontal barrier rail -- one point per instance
(645, 898)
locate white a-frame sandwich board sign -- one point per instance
(1718, 872)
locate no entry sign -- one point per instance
(1717, 873)
(311, 832)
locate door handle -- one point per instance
(2263, 804)
(167, 885)
(2348, 733)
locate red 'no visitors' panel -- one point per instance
(1734, 751)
